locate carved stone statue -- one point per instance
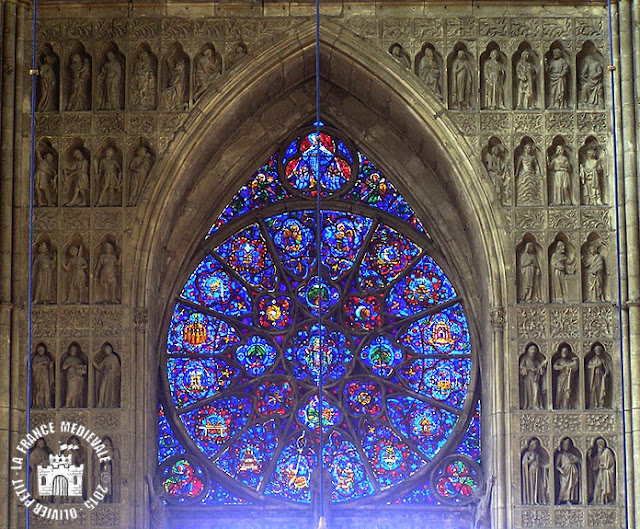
(599, 378)
(157, 513)
(561, 265)
(535, 474)
(39, 456)
(47, 97)
(482, 514)
(533, 366)
(44, 271)
(139, 168)
(106, 274)
(430, 71)
(144, 90)
(110, 180)
(595, 269)
(109, 368)
(568, 464)
(42, 378)
(560, 174)
(603, 468)
(398, 53)
(107, 472)
(497, 168)
(530, 274)
(80, 89)
(528, 178)
(175, 94)
(45, 179)
(558, 74)
(75, 372)
(77, 180)
(527, 82)
(110, 83)
(566, 368)
(591, 176)
(494, 80)
(208, 67)
(461, 82)
(236, 54)
(78, 455)
(591, 82)
(76, 276)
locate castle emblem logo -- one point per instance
(61, 477)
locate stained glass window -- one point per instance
(319, 327)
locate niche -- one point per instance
(526, 78)
(429, 68)
(533, 370)
(461, 85)
(73, 377)
(77, 87)
(560, 170)
(598, 383)
(590, 68)
(565, 376)
(528, 174)
(493, 81)
(530, 277)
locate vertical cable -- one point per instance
(618, 243)
(34, 75)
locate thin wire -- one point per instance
(618, 242)
(34, 76)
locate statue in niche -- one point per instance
(75, 371)
(533, 366)
(109, 368)
(497, 169)
(45, 179)
(530, 274)
(568, 467)
(591, 82)
(80, 90)
(236, 54)
(558, 72)
(560, 173)
(48, 84)
(44, 274)
(110, 178)
(595, 268)
(561, 265)
(77, 179)
(38, 456)
(603, 467)
(591, 176)
(78, 457)
(527, 80)
(208, 68)
(535, 475)
(566, 368)
(461, 82)
(176, 91)
(494, 79)
(76, 272)
(139, 168)
(106, 273)
(42, 378)
(528, 178)
(106, 473)
(110, 82)
(430, 71)
(400, 55)
(144, 82)
(599, 375)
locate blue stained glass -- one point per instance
(275, 397)
(263, 189)
(444, 332)
(392, 459)
(421, 495)
(349, 478)
(195, 379)
(363, 397)
(425, 286)
(183, 480)
(247, 253)
(318, 294)
(292, 475)
(342, 237)
(194, 332)
(218, 495)
(309, 412)
(210, 285)
(388, 255)
(381, 356)
(256, 356)
(214, 424)
(445, 380)
(363, 313)
(293, 235)
(426, 426)
(168, 444)
(247, 459)
(471, 443)
(373, 189)
(306, 360)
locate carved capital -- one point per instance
(498, 318)
(140, 319)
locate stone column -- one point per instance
(498, 423)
